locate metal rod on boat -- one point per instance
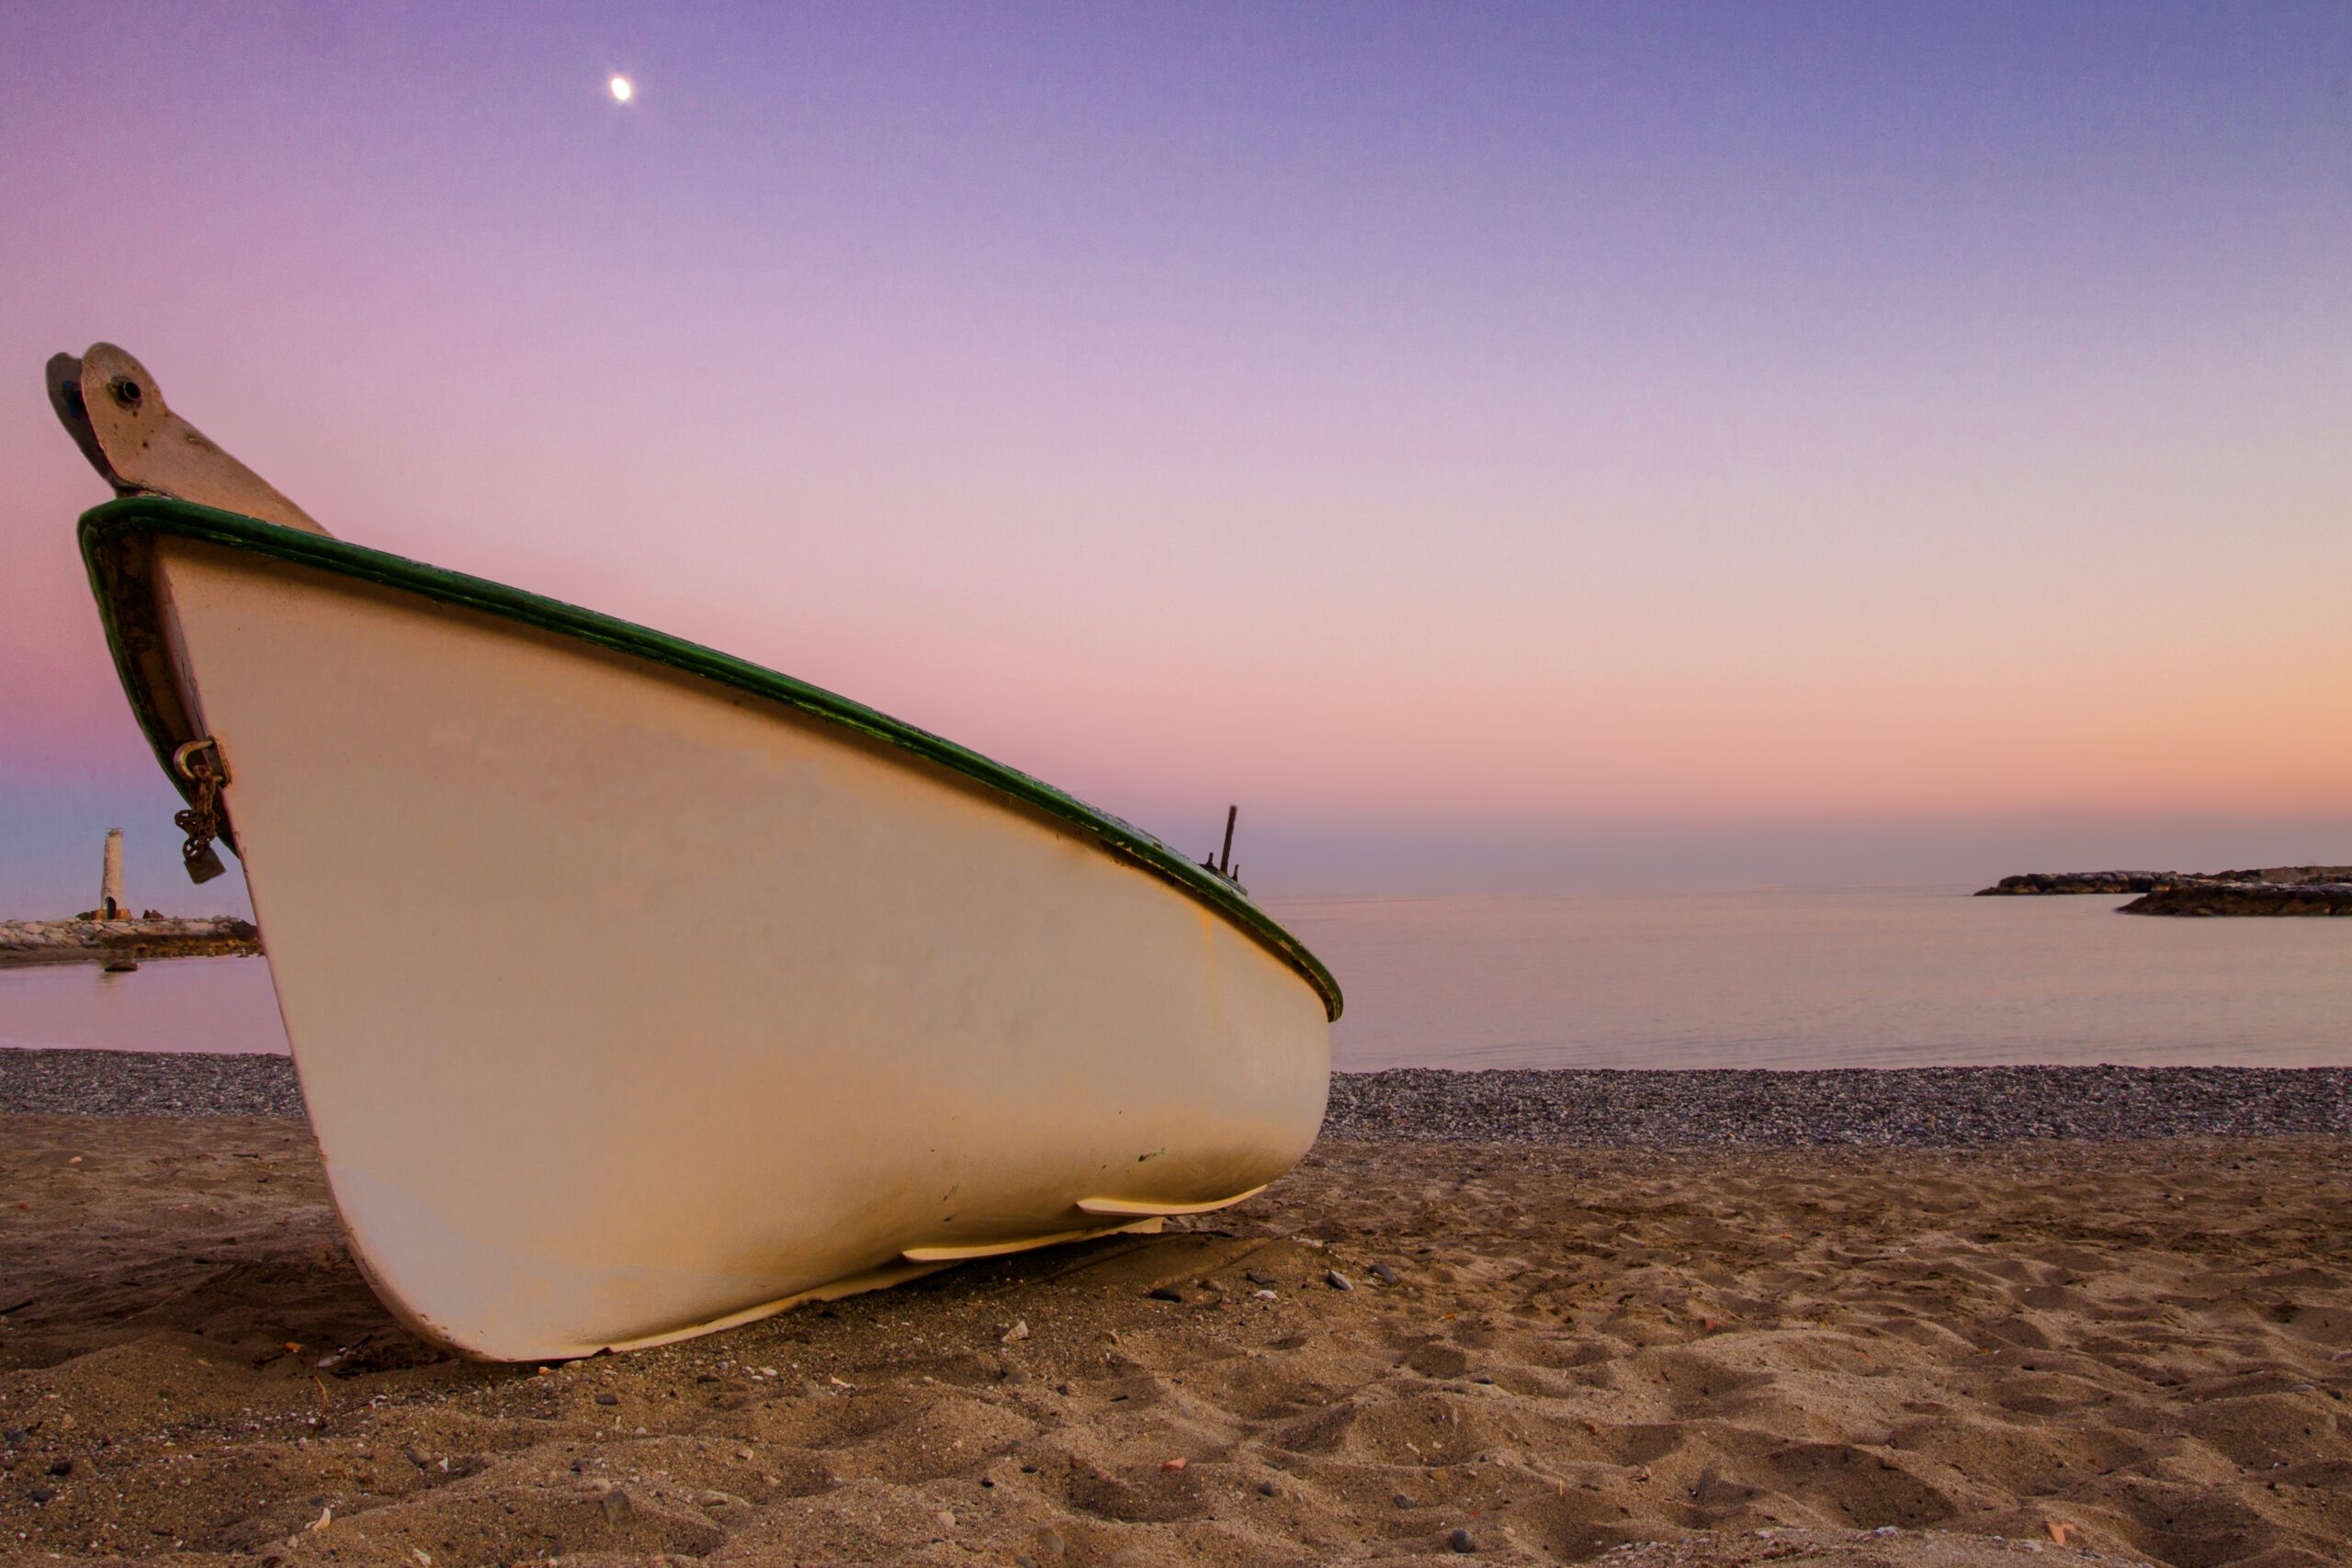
(1225, 857)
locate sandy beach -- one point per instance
(1541, 1352)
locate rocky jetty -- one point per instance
(125, 941)
(2203, 898)
(2272, 890)
(2038, 883)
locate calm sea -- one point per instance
(1815, 977)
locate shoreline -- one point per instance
(1570, 1106)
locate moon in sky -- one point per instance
(623, 89)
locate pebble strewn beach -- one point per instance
(1902, 1108)
(1916, 1108)
(147, 1083)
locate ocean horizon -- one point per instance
(1770, 978)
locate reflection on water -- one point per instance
(1822, 977)
(1805, 977)
(171, 1004)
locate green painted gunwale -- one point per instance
(107, 531)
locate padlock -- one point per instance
(201, 860)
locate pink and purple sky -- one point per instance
(1499, 446)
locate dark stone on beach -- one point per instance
(1337, 1280)
(1402, 1501)
(1268, 1489)
(1165, 1293)
(42, 1494)
(1385, 1274)
(608, 1399)
(1460, 1541)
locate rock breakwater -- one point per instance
(2207, 898)
(156, 936)
(2034, 883)
(2272, 890)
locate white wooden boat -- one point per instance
(636, 991)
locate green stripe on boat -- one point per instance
(106, 530)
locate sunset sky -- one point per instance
(1491, 442)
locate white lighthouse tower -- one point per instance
(112, 904)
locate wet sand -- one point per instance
(1884, 1357)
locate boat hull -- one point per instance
(629, 1004)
